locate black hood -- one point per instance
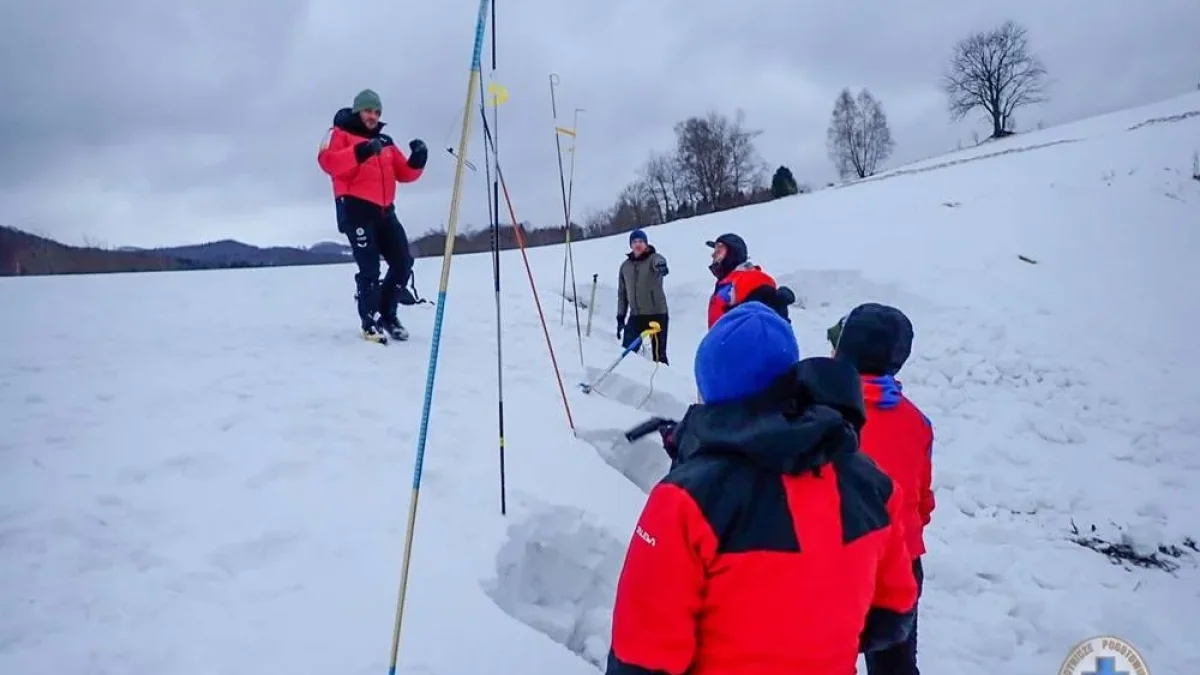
(347, 121)
(876, 339)
(649, 252)
(736, 253)
(809, 415)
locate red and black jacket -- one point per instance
(773, 546)
(899, 437)
(355, 176)
(736, 287)
(748, 283)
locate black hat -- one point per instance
(735, 244)
(876, 339)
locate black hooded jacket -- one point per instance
(737, 461)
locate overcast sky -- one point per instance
(143, 122)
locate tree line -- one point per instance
(714, 164)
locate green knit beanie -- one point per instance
(367, 100)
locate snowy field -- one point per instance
(207, 473)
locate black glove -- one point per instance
(667, 432)
(785, 296)
(418, 153)
(620, 326)
(777, 299)
(368, 149)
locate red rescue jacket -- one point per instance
(734, 287)
(899, 438)
(772, 547)
(374, 180)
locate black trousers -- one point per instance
(900, 659)
(637, 323)
(376, 232)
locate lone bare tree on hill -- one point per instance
(994, 70)
(858, 137)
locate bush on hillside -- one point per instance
(783, 183)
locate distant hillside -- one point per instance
(23, 253)
(230, 253)
(330, 247)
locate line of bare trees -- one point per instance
(433, 242)
(714, 166)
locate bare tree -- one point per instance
(716, 159)
(858, 137)
(994, 71)
(748, 169)
(661, 173)
(703, 160)
(713, 166)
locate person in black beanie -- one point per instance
(876, 339)
(365, 165)
(740, 281)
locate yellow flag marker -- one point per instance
(497, 94)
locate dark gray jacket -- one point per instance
(640, 285)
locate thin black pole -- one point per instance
(491, 155)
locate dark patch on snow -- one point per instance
(1169, 119)
(1129, 554)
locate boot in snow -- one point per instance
(371, 331)
(392, 326)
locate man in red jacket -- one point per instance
(739, 280)
(365, 165)
(773, 546)
(877, 339)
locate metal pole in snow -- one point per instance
(443, 291)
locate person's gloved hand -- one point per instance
(368, 149)
(418, 153)
(620, 326)
(667, 432)
(784, 296)
(777, 299)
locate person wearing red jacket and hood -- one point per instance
(877, 340)
(365, 165)
(739, 280)
(773, 546)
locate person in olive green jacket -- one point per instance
(640, 294)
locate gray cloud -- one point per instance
(136, 121)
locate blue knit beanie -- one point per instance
(743, 353)
(638, 234)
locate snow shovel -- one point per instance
(654, 329)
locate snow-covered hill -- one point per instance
(207, 473)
